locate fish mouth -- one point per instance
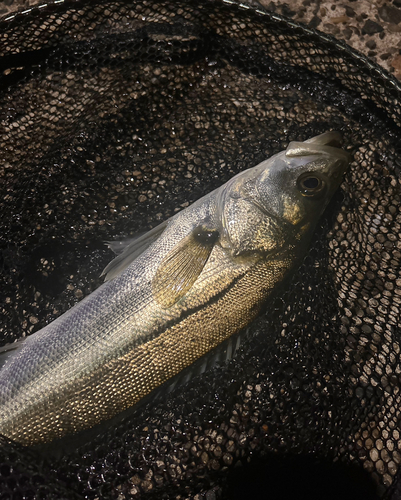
(332, 138)
(328, 143)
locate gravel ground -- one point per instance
(371, 26)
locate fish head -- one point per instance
(282, 198)
(299, 183)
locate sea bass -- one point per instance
(170, 297)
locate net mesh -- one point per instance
(113, 116)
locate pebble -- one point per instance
(390, 14)
(371, 27)
(394, 28)
(349, 11)
(340, 19)
(371, 44)
(396, 63)
(347, 33)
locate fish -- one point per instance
(170, 297)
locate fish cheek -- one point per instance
(181, 267)
(293, 211)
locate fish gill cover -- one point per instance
(114, 115)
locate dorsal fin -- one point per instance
(129, 250)
(9, 350)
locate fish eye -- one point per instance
(310, 184)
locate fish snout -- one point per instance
(326, 147)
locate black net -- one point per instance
(116, 114)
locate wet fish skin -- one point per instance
(171, 296)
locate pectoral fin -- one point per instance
(129, 250)
(181, 267)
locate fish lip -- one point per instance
(332, 138)
(324, 145)
(308, 148)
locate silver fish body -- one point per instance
(171, 297)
